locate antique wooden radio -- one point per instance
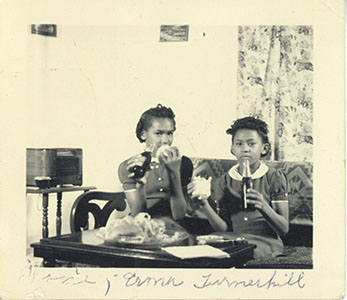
(62, 165)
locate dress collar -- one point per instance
(260, 172)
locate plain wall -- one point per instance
(88, 86)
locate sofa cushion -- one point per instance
(301, 189)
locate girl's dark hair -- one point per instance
(147, 117)
(254, 124)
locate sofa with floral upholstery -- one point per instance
(298, 241)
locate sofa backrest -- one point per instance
(299, 176)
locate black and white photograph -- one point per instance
(193, 166)
(204, 213)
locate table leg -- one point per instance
(45, 216)
(58, 220)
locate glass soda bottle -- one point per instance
(247, 183)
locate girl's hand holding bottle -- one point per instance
(136, 160)
(132, 163)
(256, 199)
(138, 165)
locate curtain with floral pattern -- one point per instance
(275, 83)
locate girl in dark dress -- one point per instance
(268, 220)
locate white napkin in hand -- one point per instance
(185, 252)
(201, 187)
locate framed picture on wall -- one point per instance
(44, 29)
(174, 33)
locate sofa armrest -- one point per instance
(298, 235)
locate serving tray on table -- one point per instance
(175, 238)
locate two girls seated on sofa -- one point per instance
(166, 187)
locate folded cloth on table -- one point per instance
(186, 252)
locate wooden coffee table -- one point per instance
(86, 248)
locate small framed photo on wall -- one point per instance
(44, 29)
(174, 33)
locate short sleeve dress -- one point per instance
(158, 188)
(226, 191)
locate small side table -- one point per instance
(59, 190)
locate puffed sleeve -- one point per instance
(279, 186)
(123, 173)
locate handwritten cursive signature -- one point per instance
(131, 279)
(290, 279)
